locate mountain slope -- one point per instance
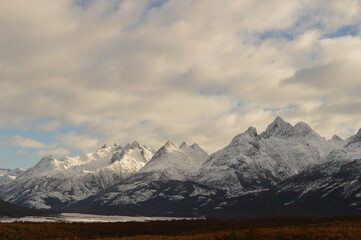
(176, 162)
(56, 183)
(333, 187)
(170, 164)
(253, 162)
(8, 175)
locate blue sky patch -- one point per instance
(288, 107)
(85, 4)
(276, 34)
(144, 122)
(349, 30)
(157, 4)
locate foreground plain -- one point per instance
(286, 228)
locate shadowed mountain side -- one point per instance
(163, 198)
(11, 210)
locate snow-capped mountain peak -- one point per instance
(183, 145)
(252, 162)
(133, 145)
(175, 161)
(337, 142)
(244, 139)
(169, 163)
(252, 132)
(170, 145)
(45, 165)
(279, 128)
(63, 181)
(47, 160)
(304, 129)
(196, 147)
(336, 138)
(355, 139)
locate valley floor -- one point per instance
(285, 228)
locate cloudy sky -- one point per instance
(75, 74)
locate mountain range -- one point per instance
(284, 170)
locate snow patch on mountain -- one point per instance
(9, 175)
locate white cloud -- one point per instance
(80, 142)
(55, 152)
(195, 70)
(20, 141)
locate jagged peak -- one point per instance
(183, 145)
(252, 131)
(279, 128)
(278, 119)
(169, 144)
(336, 138)
(304, 128)
(196, 147)
(359, 132)
(167, 148)
(133, 145)
(355, 138)
(278, 122)
(119, 147)
(48, 158)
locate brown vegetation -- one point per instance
(212, 229)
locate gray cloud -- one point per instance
(122, 70)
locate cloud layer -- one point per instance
(194, 70)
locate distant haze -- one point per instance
(75, 74)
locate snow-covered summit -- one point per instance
(336, 141)
(169, 163)
(183, 145)
(354, 140)
(304, 129)
(133, 145)
(336, 138)
(252, 132)
(69, 179)
(281, 129)
(128, 159)
(253, 162)
(176, 161)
